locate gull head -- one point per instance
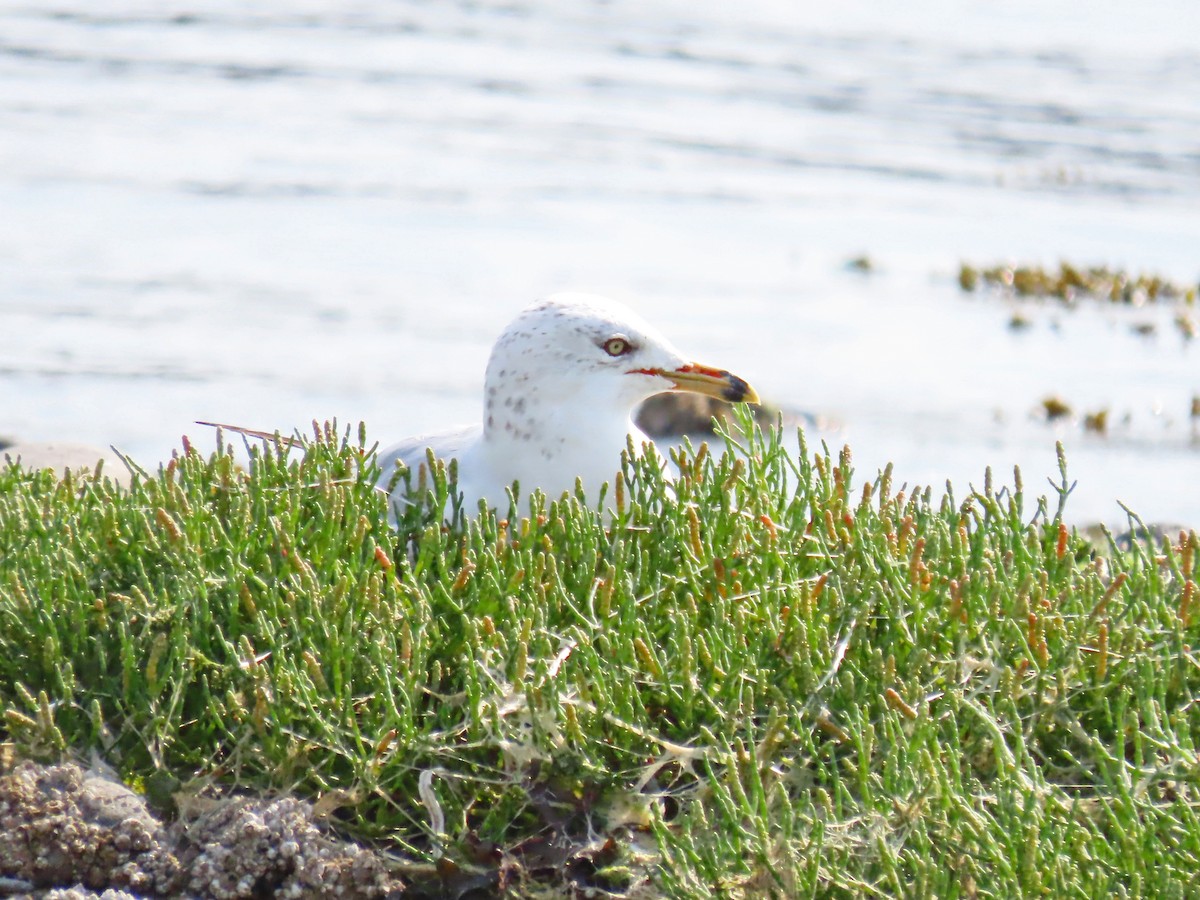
(573, 367)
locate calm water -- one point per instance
(293, 210)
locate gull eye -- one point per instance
(617, 346)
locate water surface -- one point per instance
(271, 213)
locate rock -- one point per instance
(74, 835)
(61, 456)
(13, 886)
(276, 843)
(1151, 534)
(674, 415)
(56, 832)
(109, 803)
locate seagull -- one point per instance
(561, 386)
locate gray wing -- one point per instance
(411, 452)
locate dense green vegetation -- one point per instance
(767, 679)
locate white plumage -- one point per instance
(562, 383)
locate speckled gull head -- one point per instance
(561, 387)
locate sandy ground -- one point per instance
(63, 456)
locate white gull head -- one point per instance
(562, 383)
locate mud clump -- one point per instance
(70, 834)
